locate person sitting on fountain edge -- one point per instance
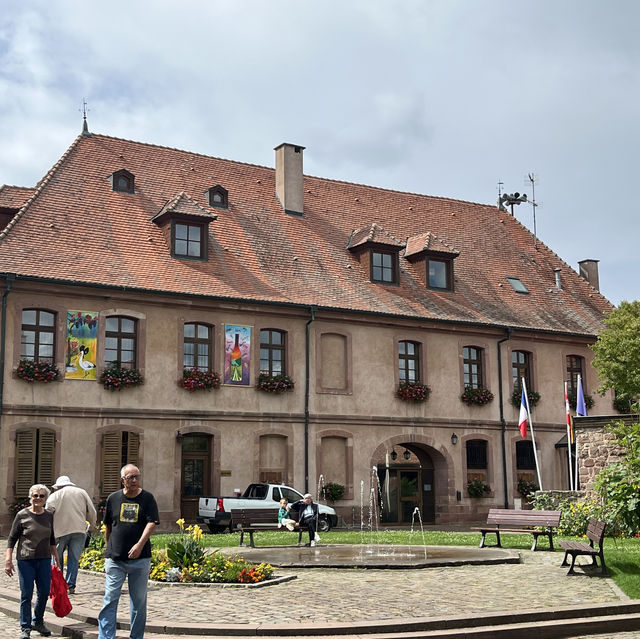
(308, 516)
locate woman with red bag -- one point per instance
(32, 530)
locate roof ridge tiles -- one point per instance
(39, 188)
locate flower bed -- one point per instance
(115, 378)
(34, 371)
(274, 383)
(194, 379)
(186, 561)
(413, 391)
(478, 396)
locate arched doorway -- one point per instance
(195, 472)
(406, 476)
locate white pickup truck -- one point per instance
(215, 512)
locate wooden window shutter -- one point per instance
(46, 457)
(25, 461)
(111, 463)
(133, 449)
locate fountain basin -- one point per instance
(374, 556)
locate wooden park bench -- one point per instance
(253, 520)
(513, 521)
(595, 535)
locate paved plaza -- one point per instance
(352, 595)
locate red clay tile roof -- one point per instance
(428, 242)
(183, 205)
(13, 197)
(78, 229)
(373, 234)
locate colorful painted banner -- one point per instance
(237, 355)
(82, 345)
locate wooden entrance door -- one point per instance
(196, 473)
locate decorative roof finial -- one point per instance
(85, 126)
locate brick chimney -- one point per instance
(289, 178)
(589, 270)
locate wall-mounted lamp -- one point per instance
(393, 455)
(454, 439)
(406, 454)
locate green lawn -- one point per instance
(622, 555)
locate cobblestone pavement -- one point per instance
(319, 595)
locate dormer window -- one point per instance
(218, 196)
(189, 240)
(384, 266)
(122, 181)
(439, 273)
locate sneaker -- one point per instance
(316, 537)
(72, 590)
(42, 629)
(26, 633)
(290, 526)
(312, 544)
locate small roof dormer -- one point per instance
(378, 249)
(434, 260)
(186, 227)
(123, 181)
(218, 197)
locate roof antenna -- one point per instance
(85, 126)
(534, 180)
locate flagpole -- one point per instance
(533, 437)
(569, 437)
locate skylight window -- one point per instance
(517, 285)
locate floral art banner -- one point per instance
(82, 345)
(237, 355)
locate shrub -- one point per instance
(516, 397)
(332, 491)
(115, 378)
(413, 391)
(194, 379)
(478, 396)
(34, 371)
(477, 488)
(527, 488)
(274, 383)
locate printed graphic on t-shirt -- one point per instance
(129, 513)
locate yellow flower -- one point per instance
(180, 523)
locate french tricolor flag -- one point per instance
(524, 414)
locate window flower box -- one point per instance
(478, 488)
(413, 392)
(194, 379)
(115, 378)
(516, 397)
(332, 491)
(573, 400)
(477, 396)
(34, 371)
(274, 383)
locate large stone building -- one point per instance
(163, 259)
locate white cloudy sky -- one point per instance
(443, 97)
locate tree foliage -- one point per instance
(617, 351)
(618, 485)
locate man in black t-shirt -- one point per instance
(130, 517)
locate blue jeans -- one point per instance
(73, 543)
(32, 571)
(116, 572)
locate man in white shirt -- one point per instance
(72, 508)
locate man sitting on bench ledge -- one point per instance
(307, 516)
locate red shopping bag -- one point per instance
(58, 593)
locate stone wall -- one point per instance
(597, 447)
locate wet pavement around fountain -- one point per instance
(339, 595)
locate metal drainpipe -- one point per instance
(10, 277)
(307, 375)
(502, 420)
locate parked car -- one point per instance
(215, 512)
